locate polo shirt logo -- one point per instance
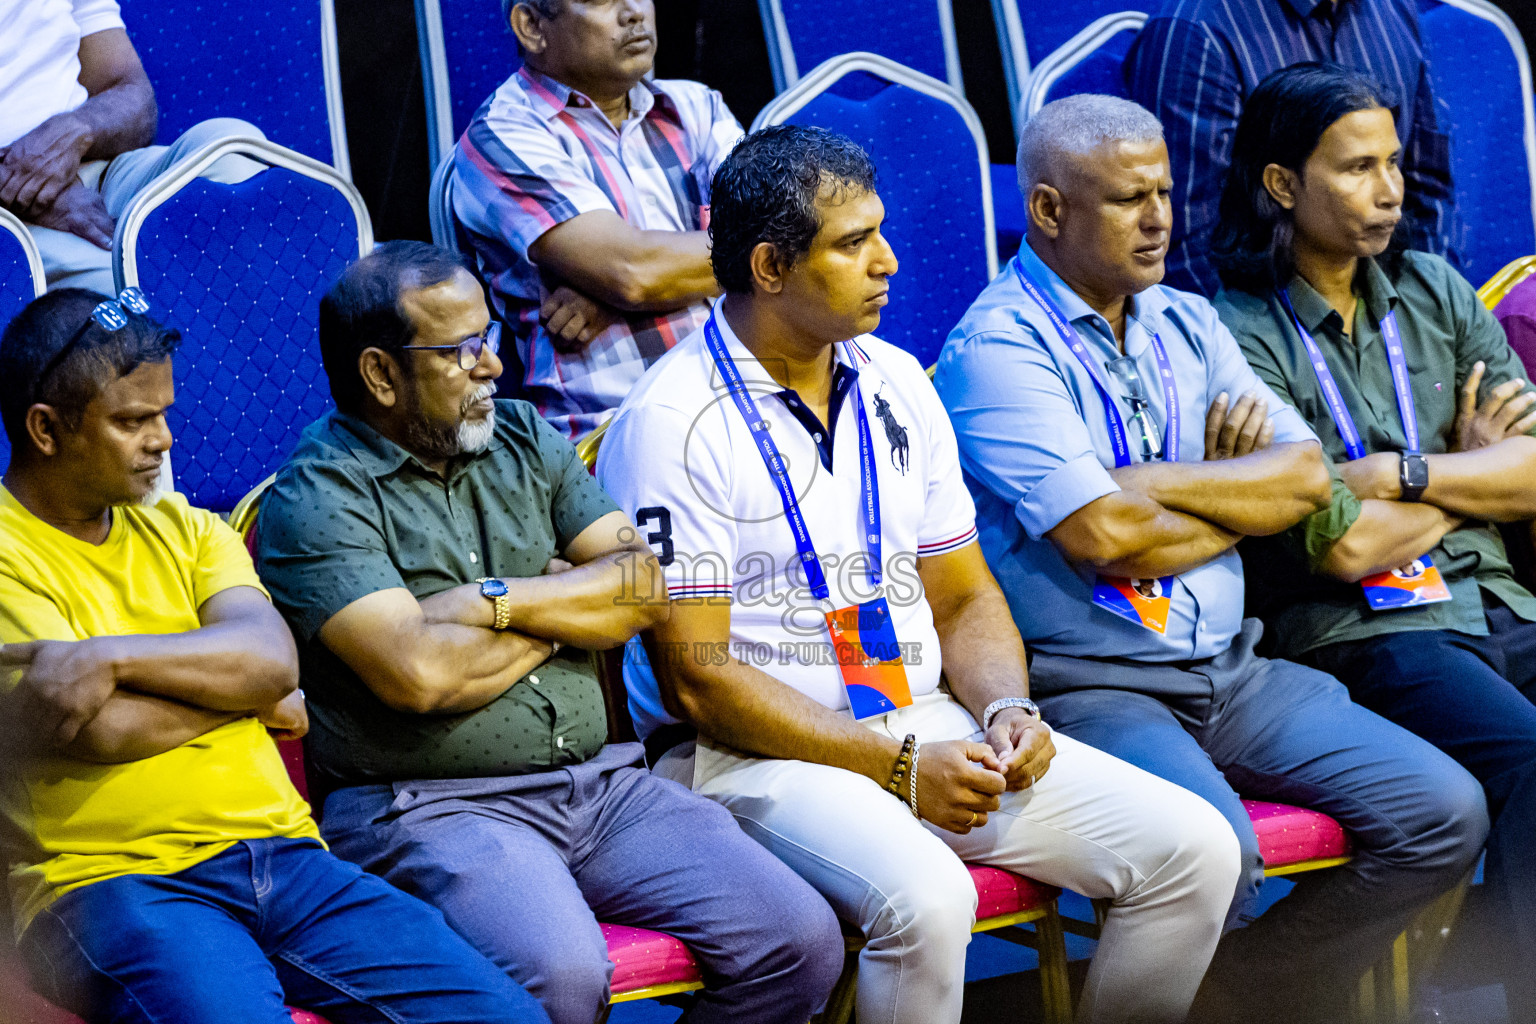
(895, 433)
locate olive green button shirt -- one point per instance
(352, 513)
(1445, 330)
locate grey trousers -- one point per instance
(525, 866)
(1274, 730)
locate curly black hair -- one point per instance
(767, 190)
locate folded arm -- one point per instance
(1255, 495)
(1496, 483)
(1128, 534)
(1387, 534)
(612, 591)
(608, 259)
(132, 726)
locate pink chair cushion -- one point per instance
(642, 958)
(1003, 892)
(1289, 835)
(293, 760)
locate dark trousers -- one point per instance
(1274, 730)
(1471, 697)
(264, 922)
(525, 866)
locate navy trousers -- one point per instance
(1471, 697)
(265, 922)
(1274, 730)
(525, 866)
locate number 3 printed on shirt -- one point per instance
(661, 538)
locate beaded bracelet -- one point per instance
(902, 761)
(917, 748)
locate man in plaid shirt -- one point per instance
(583, 191)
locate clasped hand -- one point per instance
(960, 782)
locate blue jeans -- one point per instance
(1471, 697)
(267, 921)
(1275, 730)
(525, 866)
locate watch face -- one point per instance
(1417, 469)
(493, 588)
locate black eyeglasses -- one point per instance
(471, 347)
(109, 315)
(1126, 372)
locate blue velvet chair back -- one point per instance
(803, 34)
(1482, 78)
(21, 281)
(239, 270)
(1088, 62)
(272, 63)
(467, 51)
(931, 160)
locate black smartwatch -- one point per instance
(1413, 475)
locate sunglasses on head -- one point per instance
(109, 315)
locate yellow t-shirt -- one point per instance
(69, 822)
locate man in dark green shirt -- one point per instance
(433, 550)
(1422, 407)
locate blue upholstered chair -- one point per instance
(272, 63)
(21, 281)
(932, 159)
(1088, 62)
(918, 34)
(1029, 32)
(1482, 76)
(466, 52)
(239, 269)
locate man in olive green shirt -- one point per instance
(434, 551)
(1423, 408)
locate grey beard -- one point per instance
(441, 441)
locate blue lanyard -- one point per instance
(758, 427)
(1336, 407)
(1116, 425)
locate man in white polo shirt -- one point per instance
(794, 483)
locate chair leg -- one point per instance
(1055, 988)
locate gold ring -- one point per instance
(972, 821)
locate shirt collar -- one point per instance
(550, 97)
(1145, 309)
(381, 456)
(1376, 292)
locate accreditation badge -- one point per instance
(1144, 602)
(1407, 586)
(864, 640)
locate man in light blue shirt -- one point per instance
(1118, 447)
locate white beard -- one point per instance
(474, 435)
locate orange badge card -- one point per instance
(864, 641)
(1408, 586)
(1144, 602)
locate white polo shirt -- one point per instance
(678, 457)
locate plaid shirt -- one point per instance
(1197, 60)
(539, 153)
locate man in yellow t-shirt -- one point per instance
(162, 866)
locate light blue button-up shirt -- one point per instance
(1035, 448)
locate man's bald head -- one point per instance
(1070, 129)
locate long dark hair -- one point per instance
(1282, 123)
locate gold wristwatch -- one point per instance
(495, 591)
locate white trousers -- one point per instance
(1095, 824)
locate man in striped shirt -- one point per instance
(1196, 61)
(583, 191)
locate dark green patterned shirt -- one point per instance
(1445, 330)
(352, 513)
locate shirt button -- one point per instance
(817, 437)
(534, 680)
(1202, 627)
(473, 558)
(560, 741)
